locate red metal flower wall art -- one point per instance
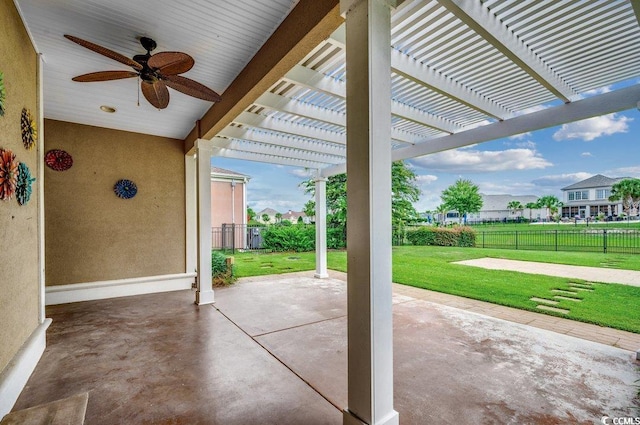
(8, 174)
(58, 160)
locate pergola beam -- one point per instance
(308, 24)
(272, 150)
(269, 159)
(483, 22)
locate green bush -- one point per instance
(289, 238)
(457, 236)
(336, 237)
(221, 273)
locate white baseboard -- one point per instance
(62, 294)
(15, 376)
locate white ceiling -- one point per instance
(222, 36)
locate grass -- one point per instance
(611, 305)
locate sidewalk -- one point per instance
(614, 337)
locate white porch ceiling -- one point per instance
(222, 37)
(463, 72)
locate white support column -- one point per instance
(321, 227)
(204, 292)
(370, 327)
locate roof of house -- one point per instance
(268, 211)
(221, 172)
(500, 202)
(293, 214)
(595, 181)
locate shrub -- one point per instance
(289, 238)
(222, 273)
(457, 236)
(336, 237)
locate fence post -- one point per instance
(604, 240)
(556, 239)
(516, 239)
(483, 239)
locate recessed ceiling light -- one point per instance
(108, 109)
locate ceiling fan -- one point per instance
(156, 72)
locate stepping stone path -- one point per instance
(568, 294)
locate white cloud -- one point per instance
(426, 179)
(506, 187)
(520, 136)
(586, 154)
(303, 173)
(593, 128)
(475, 161)
(625, 172)
(561, 179)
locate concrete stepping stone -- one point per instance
(544, 301)
(564, 291)
(560, 297)
(584, 285)
(578, 288)
(554, 309)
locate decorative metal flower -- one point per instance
(58, 160)
(28, 126)
(125, 189)
(23, 185)
(3, 94)
(8, 173)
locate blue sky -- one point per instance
(539, 163)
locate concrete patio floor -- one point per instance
(272, 350)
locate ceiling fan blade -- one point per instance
(190, 87)
(171, 63)
(105, 52)
(156, 93)
(104, 76)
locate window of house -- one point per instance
(603, 194)
(579, 195)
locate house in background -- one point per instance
(494, 208)
(590, 198)
(228, 208)
(295, 216)
(270, 212)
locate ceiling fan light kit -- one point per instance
(156, 72)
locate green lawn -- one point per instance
(616, 306)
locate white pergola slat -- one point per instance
(463, 72)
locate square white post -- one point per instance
(370, 327)
(321, 227)
(204, 291)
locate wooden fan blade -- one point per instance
(190, 87)
(156, 93)
(171, 63)
(104, 76)
(105, 52)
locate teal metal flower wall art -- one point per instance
(3, 94)
(58, 160)
(125, 189)
(23, 184)
(8, 174)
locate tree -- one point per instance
(278, 217)
(251, 214)
(515, 206)
(463, 197)
(627, 191)
(549, 202)
(403, 188)
(531, 206)
(309, 209)
(441, 210)
(266, 218)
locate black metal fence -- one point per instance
(619, 241)
(231, 237)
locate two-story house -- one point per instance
(590, 198)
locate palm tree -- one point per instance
(266, 218)
(278, 217)
(531, 206)
(628, 191)
(441, 210)
(549, 202)
(515, 206)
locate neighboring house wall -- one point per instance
(494, 208)
(228, 208)
(91, 234)
(590, 197)
(270, 212)
(20, 262)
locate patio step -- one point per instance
(544, 301)
(560, 297)
(554, 309)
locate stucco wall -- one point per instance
(92, 235)
(19, 290)
(221, 209)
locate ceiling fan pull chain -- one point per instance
(138, 92)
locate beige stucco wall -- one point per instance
(19, 287)
(92, 235)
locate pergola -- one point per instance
(423, 76)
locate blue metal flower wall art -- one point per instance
(23, 185)
(125, 189)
